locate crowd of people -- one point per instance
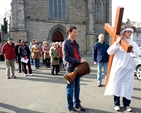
(26, 55)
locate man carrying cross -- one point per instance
(122, 69)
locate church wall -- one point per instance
(100, 28)
(77, 11)
(37, 30)
(40, 31)
(14, 35)
(38, 10)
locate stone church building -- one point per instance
(49, 19)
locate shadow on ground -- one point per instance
(16, 109)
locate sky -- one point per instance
(132, 9)
(4, 7)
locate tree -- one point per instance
(123, 23)
(4, 19)
(128, 21)
(4, 26)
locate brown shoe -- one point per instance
(8, 77)
(99, 85)
(73, 110)
(80, 108)
(13, 76)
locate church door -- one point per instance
(57, 37)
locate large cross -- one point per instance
(115, 33)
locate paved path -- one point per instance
(43, 93)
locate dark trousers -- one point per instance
(29, 67)
(56, 68)
(19, 66)
(61, 63)
(47, 62)
(125, 101)
(43, 58)
(18, 59)
(2, 58)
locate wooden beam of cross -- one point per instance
(115, 33)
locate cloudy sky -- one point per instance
(132, 9)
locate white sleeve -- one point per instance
(112, 49)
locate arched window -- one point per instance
(57, 9)
(99, 10)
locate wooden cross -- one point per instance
(115, 33)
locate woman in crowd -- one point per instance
(24, 52)
(36, 54)
(46, 54)
(54, 54)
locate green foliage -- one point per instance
(4, 26)
(128, 22)
(123, 23)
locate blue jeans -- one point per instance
(99, 70)
(31, 59)
(36, 63)
(73, 89)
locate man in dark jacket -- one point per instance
(8, 50)
(100, 57)
(71, 58)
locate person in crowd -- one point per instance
(42, 53)
(71, 58)
(30, 46)
(46, 55)
(18, 59)
(36, 54)
(8, 50)
(40, 45)
(120, 83)
(24, 52)
(61, 56)
(100, 57)
(26, 43)
(54, 54)
(1, 55)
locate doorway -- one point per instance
(58, 37)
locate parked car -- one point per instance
(137, 67)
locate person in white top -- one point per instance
(122, 71)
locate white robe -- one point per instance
(122, 71)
